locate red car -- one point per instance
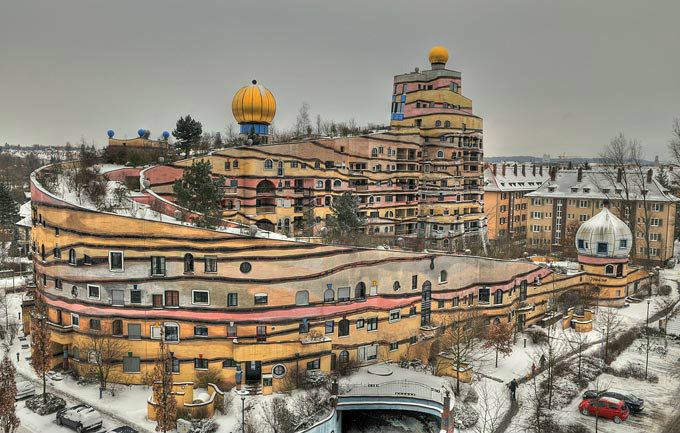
(605, 407)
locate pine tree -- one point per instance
(8, 392)
(345, 221)
(9, 210)
(200, 192)
(187, 131)
(41, 352)
(166, 405)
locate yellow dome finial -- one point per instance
(439, 55)
(254, 104)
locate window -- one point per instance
(135, 296)
(484, 295)
(268, 164)
(261, 333)
(602, 247)
(117, 298)
(157, 301)
(360, 291)
(210, 264)
(302, 297)
(134, 331)
(304, 326)
(394, 345)
(116, 261)
(231, 330)
(131, 364)
(372, 324)
(87, 260)
(200, 330)
(655, 222)
(75, 320)
(396, 286)
(235, 164)
(343, 328)
(95, 325)
(360, 323)
(171, 333)
(314, 365)
(329, 327)
(58, 284)
(582, 244)
(261, 299)
(172, 298)
(157, 265)
(117, 327)
(328, 295)
(245, 267)
(343, 294)
(200, 363)
(229, 363)
(623, 243)
(440, 153)
(72, 260)
(609, 269)
(456, 300)
(92, 291)
(395, 315)
(414, 282)
(188, 263)
(200, 297)
(443, 277)
(498, 297)
(232, 299)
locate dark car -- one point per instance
(634, 403)
(123, 429)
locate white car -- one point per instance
(81, 418)
(25, 389)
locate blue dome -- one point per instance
(166, 134)
(140, 132)
(110, 133)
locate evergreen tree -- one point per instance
(345, 221)
(8, 392)
(187, 131)
(200, 192)
(41, 351)
(9, 210)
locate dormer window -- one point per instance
(623, 243)
(574, 189)
(581, 244)
(602, 247)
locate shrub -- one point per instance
(212, 375)
(348, 367)
(621, 343)
(538, 336)
(51, 404)
(665, 290)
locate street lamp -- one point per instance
(242, 393)
(649, 301)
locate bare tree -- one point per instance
(276, 415)
(166, 405)
(578, 342)
(492, 401)
(41, 348)
(499, 338)
(460, 333)
(303, 123)
(9, 421)
(609, 323)
(538, 420)
(546, 356)
(104, 352)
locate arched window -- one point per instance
(498, 297)
(302, 297)
(360, 290)
(443, 276)
(447, 124)
(188, 263)
(438, 123)
(117, 327)
(337, 183)
(329, 295)
(235, 163)
(343, 328)
(396, 286)
(343, 357)
(609, 269)
(268, 164)
(72, 256)
(440, 154)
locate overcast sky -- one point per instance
(546, 76)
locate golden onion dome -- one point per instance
(253, 104)
(439, 54)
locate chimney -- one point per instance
(579, 175)
(553, 173)
(533, 170)
(514, 169)
(619, 175)
(503, 169)
(540, 170)
(649, 175)
(524, 170)
(495, 168)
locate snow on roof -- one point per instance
(511, 181)
(25, 209)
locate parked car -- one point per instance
(80, 418)
(25, 389)
(54, 375)
(123, 429)
(634, 403)
(605, 407)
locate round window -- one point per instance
(245, 267)
(279, 370)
